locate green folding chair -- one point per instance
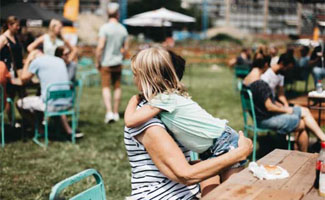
(2, 116)
(240, 71)
(248, 109)
(194, 155)
(79, 86)
(12, 111)
(96, 192)
(54, 92)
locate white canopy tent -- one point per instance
(165, 15)
(146, 22)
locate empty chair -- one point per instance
(96, 192)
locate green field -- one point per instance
(28, 171)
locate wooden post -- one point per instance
(266, 15)
(299, 21)
(227, 16)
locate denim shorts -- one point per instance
(282, 123)
(226, 142)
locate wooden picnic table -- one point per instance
(299, 185)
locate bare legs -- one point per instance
(117, 99)
(301, 137)
(65, 124)
(311, 124)
(106, 92)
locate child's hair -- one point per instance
(156, 73)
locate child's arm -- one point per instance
(134, 117)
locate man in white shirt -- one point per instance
(275, 78)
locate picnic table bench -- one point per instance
(299, 185)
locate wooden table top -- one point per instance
(299, 185)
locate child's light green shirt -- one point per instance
(192, 126)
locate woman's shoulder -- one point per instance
(3, 39)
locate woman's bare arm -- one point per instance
(3, 41)
(32, 46)
(170, 160)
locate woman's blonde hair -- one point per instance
(52, 25)
(156, 73)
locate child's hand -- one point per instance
(245, 143)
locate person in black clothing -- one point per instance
(317, 60)
(283, 119)
(11, 51)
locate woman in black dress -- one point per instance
(11, 53)
(10, 47)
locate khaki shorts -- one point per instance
(111, 75)
(35, 103)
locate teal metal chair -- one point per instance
(248, 109)
(240, 71)
(79, 87)
(12, 111)
(54, 92)
(2, 116)
(194, 155)
(87, 71)
(96, 192)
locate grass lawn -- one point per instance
(28, 171)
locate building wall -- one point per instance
(248, 15)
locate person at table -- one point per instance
(69, 59)
(317, 61)
(51, 40)
(49, 70)
(160, 164)
(244, 58)
(302, 67)
(273, 115)
(5, 78)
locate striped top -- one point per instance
(147, 181)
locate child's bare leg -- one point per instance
(228, 172)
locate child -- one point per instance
(158, 80)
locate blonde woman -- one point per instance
(192, 126)
(159, 162)
(51, 40)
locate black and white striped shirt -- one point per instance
(147, 181)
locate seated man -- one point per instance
(317, 60)
(281, 118)
(49, 70)
(69, 57)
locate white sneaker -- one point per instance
(109, 117)
(116, 117)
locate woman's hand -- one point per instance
(245, 144)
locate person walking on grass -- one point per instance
(109, 56)
(191, 125)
